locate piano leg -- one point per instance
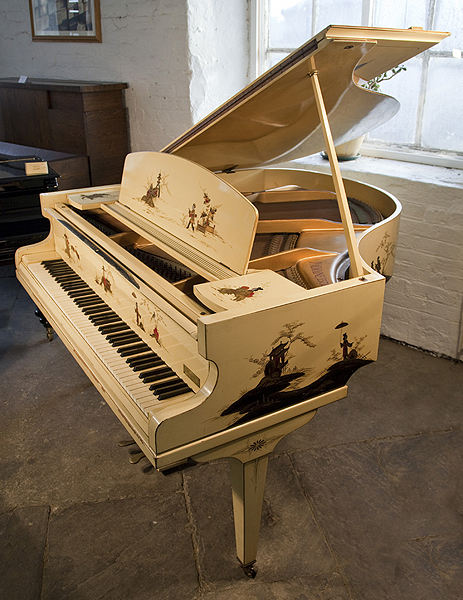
(248, 458)
(45, 323)
(248, 482)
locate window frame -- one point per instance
(259, 41)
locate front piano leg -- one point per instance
(45, 323)
(248, 459)
(248, 482)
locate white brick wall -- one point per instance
(158, 47)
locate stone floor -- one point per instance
(363, 503)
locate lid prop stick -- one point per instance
(346, 218)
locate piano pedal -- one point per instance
(45, 323)
(136, 456)
(124, 443)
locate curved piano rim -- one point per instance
(377, 244)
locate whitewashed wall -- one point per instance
(180, 58)
(218, 52)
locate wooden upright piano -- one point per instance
(216, 303)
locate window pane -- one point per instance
(290, 23)
(405, 87)
(449, 17)
(403, 14)
(274, 57)
(338, 12)
(442, 128)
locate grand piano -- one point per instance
(217, 302)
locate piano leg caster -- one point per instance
(250, 570)
(45, 323)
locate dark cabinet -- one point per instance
(76, 117)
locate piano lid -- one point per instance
(275, 118)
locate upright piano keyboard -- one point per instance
(216, 311)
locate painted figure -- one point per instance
(206, 225)
(192, 217)
(240, 293)
(70, 250)
(153, 192)
(345, 345)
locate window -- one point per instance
(429, 90)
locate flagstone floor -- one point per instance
(365, 502)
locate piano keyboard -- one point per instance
(142, 373)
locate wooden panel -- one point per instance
(66, 101)
(24, 117)
(83, 118)
(106, 132)
(106, 170)
(107, 145)
(102, 100)
(73, 172)
(67, 131)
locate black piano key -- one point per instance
(101, 325)
(103, 317)
(113, 328)
(57, 266)
(133, 350)
(176, 392)
(123, 335)
(135, 360)
(147, 363)
(151, 375)
(77, 290)
(94, 309)
(78, 293)
(164, 386)
(85, 296)
(89, 301)
(68, 281)
(107, 312)
(70, 284)
(62, 272)
(124, 341)
(91, 296)
(140, 345)
(62, 275)
(67, 277)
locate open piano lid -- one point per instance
(210, 226)
(275, 118)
